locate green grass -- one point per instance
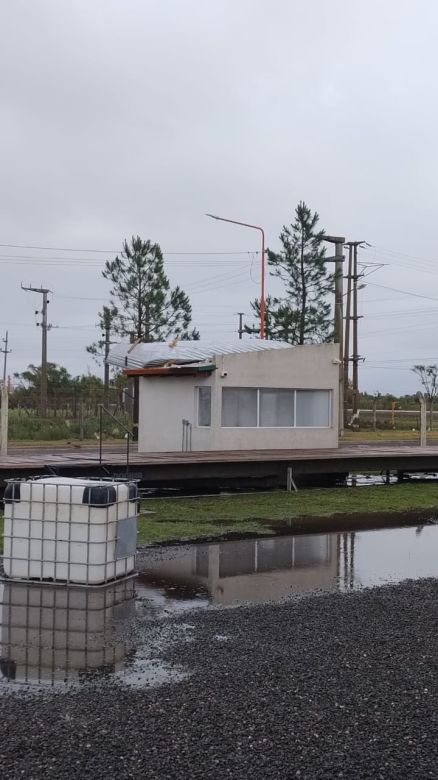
(184, 517)
(258, 513)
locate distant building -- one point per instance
(239, 395)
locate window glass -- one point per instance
(275, 554)
(311, 550)
(313, 408)
(235, 559)
(276, 408)
(239, 407)
(204, 406)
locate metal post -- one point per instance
(374, 414)
(339, 242)
(240, 331)
(106, 368)
(44, 328)
(44, 356)
(347, 333)
(423, 420)
(128, 436)
(5, 351)
(339, 323)
(290, 482)
(100, 432)
(355, 335)
(262, 290)
(4, 420)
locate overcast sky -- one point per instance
(122, 117)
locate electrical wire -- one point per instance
(117, 251)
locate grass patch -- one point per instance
(152, 530)
(185, 518)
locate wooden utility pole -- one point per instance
(45, 327)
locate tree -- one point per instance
(107, 318)
(143, 304)
(428, 376)
(303, 314)
(57, 377)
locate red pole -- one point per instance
(262, 298)
(262, 292)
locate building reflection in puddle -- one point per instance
(256, 570)
(51, 634)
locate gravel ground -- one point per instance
(330, 686)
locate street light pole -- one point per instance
(262, 293)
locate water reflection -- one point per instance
(51, 634)
(255, 570)
(261, 570)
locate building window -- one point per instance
(276, 408)
(266, 407)
(239, 407)
(204, 406)
(313, 409)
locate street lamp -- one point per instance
(262, 295)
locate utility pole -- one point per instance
(44, 329)
(352, 288)
(347, 331)
(355, 357)
(6, 352)
(338, 259)
(241, 329)
(106, 369)
(4, 421)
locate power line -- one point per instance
(118, 251)
(402, 292)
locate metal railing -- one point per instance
(186, 436)
(103, 409)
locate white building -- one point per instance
(240, 395)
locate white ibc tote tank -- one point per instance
(70, 530)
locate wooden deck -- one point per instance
(221, 467)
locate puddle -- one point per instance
(53, 636)
(263, 570)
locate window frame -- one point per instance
(198, 388)
(294, 390)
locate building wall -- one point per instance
(166, 401)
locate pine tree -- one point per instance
(303, 314)
(107, 318)
(145, 306)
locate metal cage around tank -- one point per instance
(78, 531)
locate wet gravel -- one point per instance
(333, 686)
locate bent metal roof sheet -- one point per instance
(160, 352)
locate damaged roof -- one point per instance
(158, 353)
